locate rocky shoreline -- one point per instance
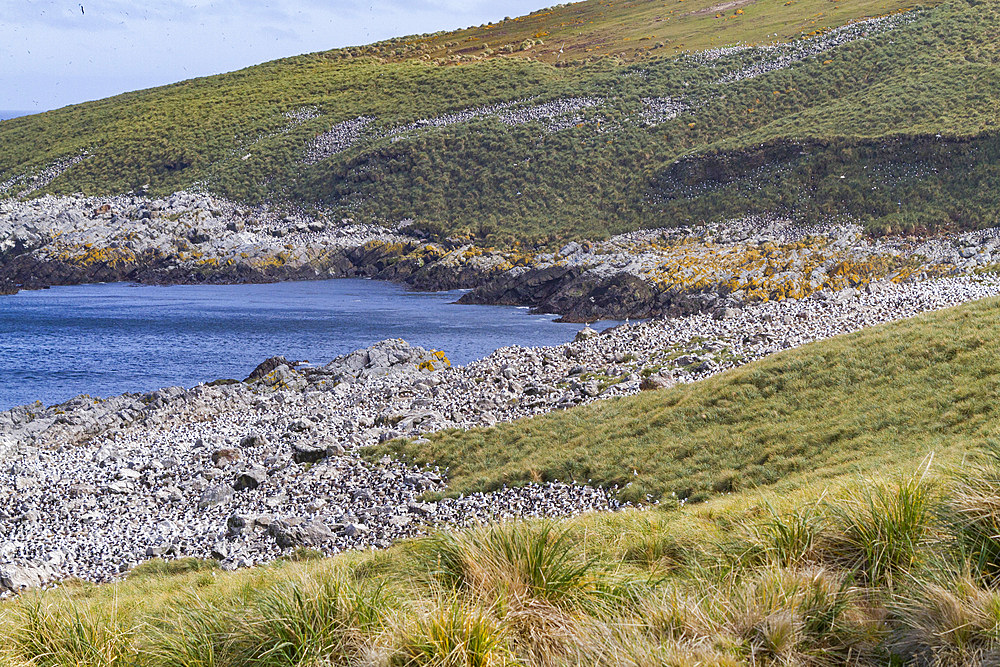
(245, 472)
(191, 238)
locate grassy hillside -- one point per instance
(896, 128)
(882, 398)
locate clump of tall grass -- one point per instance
(550, 599)
(880, 530)
(794, 615)
(59, 635)
(955, 622)
(972, 511)
(791, 538)
(767, 615)
(319, 619)
(678, 614)
(951, 615)
(516, 561)
(548, 636)
(454, 634)
(198, 635)
(324, 617)
(654, 544)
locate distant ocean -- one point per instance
(6, 114)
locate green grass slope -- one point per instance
(874, 400)
(898, 130)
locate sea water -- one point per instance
(109, 339)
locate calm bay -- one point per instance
(108, 339)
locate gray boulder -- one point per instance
(387, 357)
(355, 529)
(249, 479)
(14, 578)
(216, 494)
(309, 534)
(300, 425)
(657, 381)
(266, 367)
(308, 453)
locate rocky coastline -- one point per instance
(192, 238)
(246, 472)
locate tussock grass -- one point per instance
(52, 635)
(324, 619)
(321, 616)
(453, 634)
(523, 562)
(953, 622)
(197, 637)
(973, 509)
(880, 529)
(787, 615)
(790, 538)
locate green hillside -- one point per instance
(878, 399)
(896, 127)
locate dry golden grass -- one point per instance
(631, 29)
(587, 591)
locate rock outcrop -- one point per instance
(196, 238)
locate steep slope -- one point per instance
(890, 121)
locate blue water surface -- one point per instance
(109, 339)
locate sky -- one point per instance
(59, 52)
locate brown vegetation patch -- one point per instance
(721, 7)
